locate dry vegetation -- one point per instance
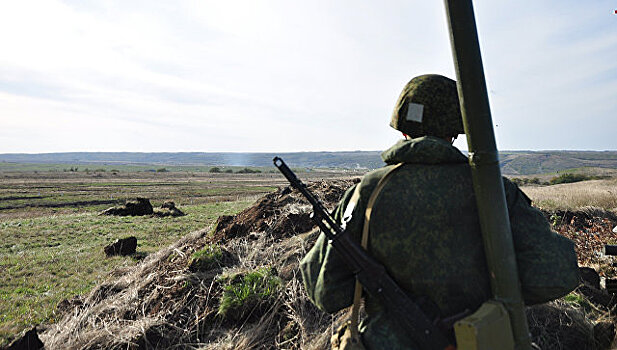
(593, 193)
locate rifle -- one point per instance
(372, 274)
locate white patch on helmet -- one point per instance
(415, 112)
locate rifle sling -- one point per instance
(443, 324)
(355, 310)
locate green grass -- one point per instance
(243, 292)
(207, 258)
(44, 260)
(573, 177)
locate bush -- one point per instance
(215, 170)
(162, 170)
(248, 171)
(228, 171)
(527, 181)
(569, 178)
(246, 292)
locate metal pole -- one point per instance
(483, 158)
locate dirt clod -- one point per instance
(122, 246)
(168, 208)
(28, 341)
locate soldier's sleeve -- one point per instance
(546, 261)
(327, 280)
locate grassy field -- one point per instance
(51, 238)
(595, 193)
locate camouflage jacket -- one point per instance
(424, 228)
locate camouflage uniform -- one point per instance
(424, 228)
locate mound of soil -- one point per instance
(280, 214)
(122, 246)
(141, 207)
(28, 341)
(137, 207)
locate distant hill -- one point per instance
(350, 160)
(512, 162)
(540, 162)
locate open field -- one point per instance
(594, 193)
(51, 237)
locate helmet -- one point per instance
(428, 105)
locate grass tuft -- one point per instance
(245, 292)
(209, 257)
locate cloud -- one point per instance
(286, 76)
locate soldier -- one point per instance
(424, 226)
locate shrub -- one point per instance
(526, 181)
(162, 170)
(246, 292)
(569, 178)
(228, 171)
(215, 170)
(248, 171)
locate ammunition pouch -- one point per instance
(487, 328)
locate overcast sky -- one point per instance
(252, 76)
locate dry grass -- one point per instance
(594, 193)
(558, 325)
(291, 322)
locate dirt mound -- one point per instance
(121, 246)
(142, 206)
(136, 207)
(170, 300)
(280, 214)
(29, 340)
(168, 209)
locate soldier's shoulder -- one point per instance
(514, 194)
(370, 179)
